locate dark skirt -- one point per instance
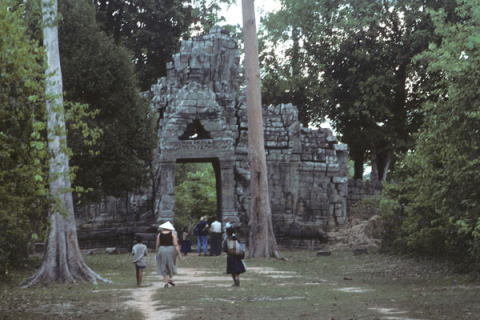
(235, 265)
(186, 246)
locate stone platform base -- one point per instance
(116, 235)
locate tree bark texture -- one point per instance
(262, 241)
(383, 163)
(62, 260)
(380, 165)
(358, 160)
(374, 172)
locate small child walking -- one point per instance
(139, 252)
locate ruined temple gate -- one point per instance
(202, 117)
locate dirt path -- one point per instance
(142, 297)
(142, 301)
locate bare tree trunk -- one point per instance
(358, 159)
(62, 260)
(262, 242)
(380, 165)
(374, 162)
(383, 161)
(154, 187)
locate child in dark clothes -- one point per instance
(186, 244)
(235, 264)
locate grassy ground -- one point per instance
(341, 286)
(78, 301)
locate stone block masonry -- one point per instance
(363, 198)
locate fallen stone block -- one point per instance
(111, 250)
(324, 253)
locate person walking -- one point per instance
(139, 251)
(202, 236)
(225, 227)
(235, 254)
(186, 246)
(167, 252)
(216, 238)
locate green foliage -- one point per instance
(113, 158)
(23, 152)
(350, 169)
(195, 193)
(206, 14)
(435, 209)
(152, 29)
(351, 61)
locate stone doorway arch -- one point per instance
(224, 178)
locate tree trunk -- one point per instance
(374, 162)
(358, 160)
(262, 242)
(380, 164)
(62, 260)
(383, 163)
(154, 187)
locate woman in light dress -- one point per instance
(167, 252)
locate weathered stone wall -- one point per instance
(306, 174)
(363, 198)
(114, 222)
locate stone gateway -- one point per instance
(202, 118)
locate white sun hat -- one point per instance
(167, 225)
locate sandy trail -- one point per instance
(142, 298)
(142, 301)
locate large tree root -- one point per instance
(82, 274)
(63, 260)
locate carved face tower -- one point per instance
(197, 120)
(210, 60)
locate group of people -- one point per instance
(203, 230)
(167, 250)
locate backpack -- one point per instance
(235, 248)
(196, 231)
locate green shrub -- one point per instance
(23, 155)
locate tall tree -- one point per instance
(262, 241)
(352, 61)
(100, 73)
(62, 259)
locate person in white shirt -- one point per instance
(216, 238)
(139, 252)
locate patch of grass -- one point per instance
(341, 286)
(71, 301)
